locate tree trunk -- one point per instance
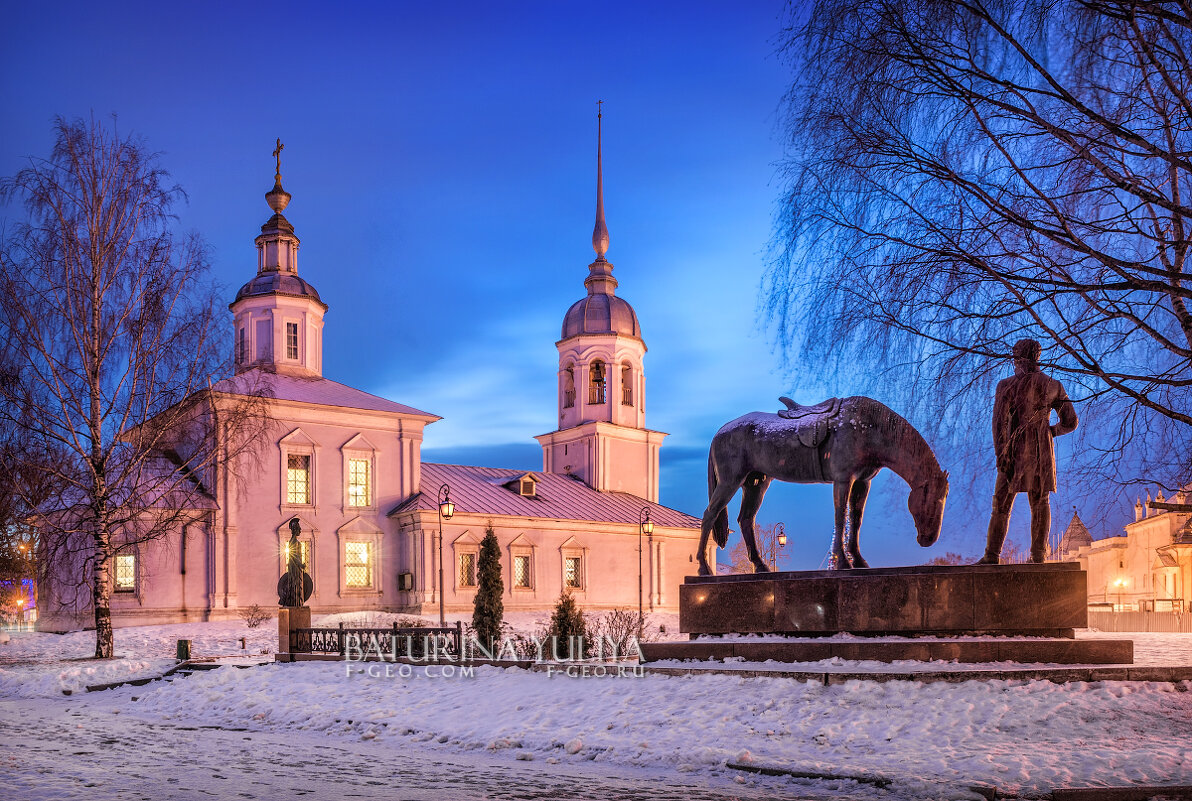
(101, 597)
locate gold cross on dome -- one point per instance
(277, 154)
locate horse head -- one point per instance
(926, 505)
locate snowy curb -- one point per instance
(764, 770)
(1173, 674)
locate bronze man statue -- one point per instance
(1022, 436)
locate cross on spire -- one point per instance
(277, 155)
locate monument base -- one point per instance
(1047, 600)
(923, 613)
(289, 618)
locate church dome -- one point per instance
(277, 283)
(599, 313)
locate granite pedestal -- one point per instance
(944, 606)
(288, 619)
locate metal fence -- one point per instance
(413, 643)
(1141, 621)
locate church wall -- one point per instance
(329, 437)
(608, 553)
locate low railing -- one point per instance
(393, 642)
(1141, 621)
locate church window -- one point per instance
(241, 346)
(264, 339)
(568, 387)
(596, 386)
(291, 340)
(522, 579)
(358, 567)
(573, 572)
(298, 478)
(126, 572)
(626, 385)
(467, 569)
(359, 484)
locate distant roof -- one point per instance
(481, 490)
(312, 389)
(1075, 536)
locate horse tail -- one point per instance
(720, 524)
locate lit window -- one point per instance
(467, 570)
(573, 572)
(126, 572)
(358, 570)
(303, 554)
(596, 383)
(521, 572)
(291, 340)
(359, 486)
(626, 386)
(298, 478)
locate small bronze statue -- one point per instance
(1023, 435)
(844, 442)
(295, 585)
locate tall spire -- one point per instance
(277, 198)
(600, 232)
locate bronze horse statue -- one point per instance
(843, 442)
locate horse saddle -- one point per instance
(811, 421)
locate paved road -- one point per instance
(89, 747)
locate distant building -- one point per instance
(1146, 568)
(348, 465)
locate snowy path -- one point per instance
(89, 748)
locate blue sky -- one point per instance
(442, 163)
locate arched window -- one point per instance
(596, 383)
(568, 387)
(626, 384)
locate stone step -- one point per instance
(1035, 650)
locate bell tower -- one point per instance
(602, 437)
(277, 318)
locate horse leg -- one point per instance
(751, 500)
(840, 493)
(717, 502)
(856, 508)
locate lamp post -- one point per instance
(644, 526)
(781, 540)
(1119, 584)
(446, 510)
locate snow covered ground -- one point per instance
(931, 740)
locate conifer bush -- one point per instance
(569, 630)
(488, 609)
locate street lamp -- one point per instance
(644, 526)
(1119, 584)
(446, 510)
(781, 535)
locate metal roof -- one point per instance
(481, 490)
(312, 389)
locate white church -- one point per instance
(348, 466)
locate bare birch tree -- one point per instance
(965, 173)
(110, 338)
(766, 538)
